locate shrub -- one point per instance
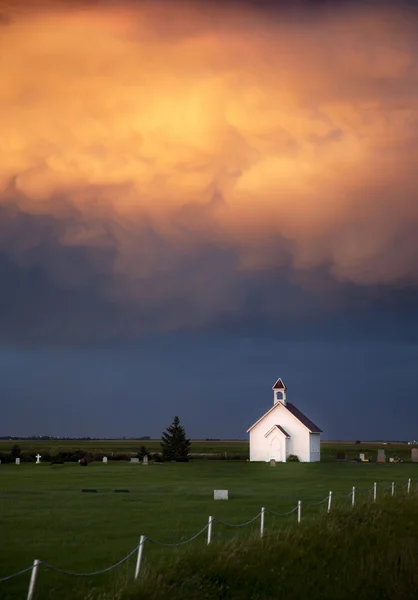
(15, 451)
(293, 458)
(142, 452)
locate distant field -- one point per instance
(45, 515)
(232, 448)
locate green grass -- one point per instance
(369, 553)
(45, 515)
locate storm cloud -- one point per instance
(171, 167)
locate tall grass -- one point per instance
(367, 553)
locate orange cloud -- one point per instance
(267, 125)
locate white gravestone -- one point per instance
(362, 457)
(18, 461)
(38, 458)
(145, 460)
(105, 459)
(220, 494)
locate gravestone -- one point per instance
(391, 459)
(105, 460)
(134, 460)
(414, 454)
(18, 461)
(362, 456)
(220, 494)
(38, 459)
(381, 455)
(145, 460)
(272, 462)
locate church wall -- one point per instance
(299, 442)
(315, 447)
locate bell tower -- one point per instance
(279, 390)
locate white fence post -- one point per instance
(393, 488)
(353, 495)
(262, 522)
(210, 530)
(299, 511)
(139, 557)
(409, 486)
(374, 491)
(32, 581)
(329, 501)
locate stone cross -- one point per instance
(38, 458)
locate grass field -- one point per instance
(45, 515)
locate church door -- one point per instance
(275, 450)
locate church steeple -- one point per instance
(279, 390)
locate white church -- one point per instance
(284, 430)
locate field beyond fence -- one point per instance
(46, 516)
(68, 450)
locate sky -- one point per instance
(198, 198)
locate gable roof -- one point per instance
(303, 418)
(280, 428)
(310, 425)
(279, 385)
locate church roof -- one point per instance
(280, 428)
(279, 385)
(296, 413)
(303, 418)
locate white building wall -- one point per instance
(299, 442)
(315, 447)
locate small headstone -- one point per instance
(134, 460)
(414, 454)
(381, 455)
(220, 494)
(18, 461)
(38, 459)
(362, 456)
(105, 459)
(272, 462)
(145, 460)
(391, 459)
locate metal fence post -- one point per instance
(329, 501)
(139, 557)
(353, 495)
(210, 530)
(299, 511)
(262, 522)
(374, 491)
(32, 581)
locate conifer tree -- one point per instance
(174, 443)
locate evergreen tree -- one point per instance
(174, 443)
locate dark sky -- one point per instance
(173, 239)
